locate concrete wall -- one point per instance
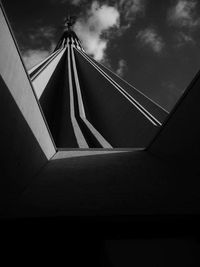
(25, 141)
(180, 135)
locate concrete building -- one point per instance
(97, 193)
(86, 105)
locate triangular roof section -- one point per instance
(86, 105)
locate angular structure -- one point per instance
(91, 195)
(88, 106)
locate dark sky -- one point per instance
(154, 45)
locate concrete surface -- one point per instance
(128, 183)
(17, 81)
(26, 144)
(179, 136)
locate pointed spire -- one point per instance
(69, 22)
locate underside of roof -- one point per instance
(38, 180)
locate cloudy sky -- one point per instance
(154, 45)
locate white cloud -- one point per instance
(42, 33)
(151, 38)
(122, 66)
(76, 2)
(32, 57)
(89, 29)
(129, 9)
(172, 94)
(183, 38)
(73, 2)
(183, 14)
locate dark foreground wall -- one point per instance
(179, 137)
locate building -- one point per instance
(110, 193)
(86, 105)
